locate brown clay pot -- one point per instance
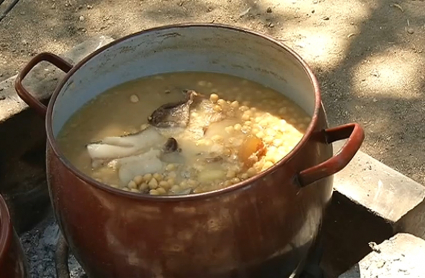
(262, 227)
(12, 259)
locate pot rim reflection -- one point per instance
(56, 149)
(5, 230)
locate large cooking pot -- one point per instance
(12, 258)
(261, 227)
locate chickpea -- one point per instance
(170, 167)
(267, 165)
(153, 183)
(147, 177)
(161, 191)
(198, 190)
(245, 117)
(277, 142)
(251, 172)
(143, 186)
(243, 108)
(192, 182)
(235, 104)
(164, 184)
(157, 176)
(268, 139)
(184, 184)
(134, 98)
(271, 132)
(260, 134)
(153, 192)
(217, 138)
(218, 108)
(132, 185)
(175, 188)
(227, 183)
(230, 174)
(221, 102)
(135, 190)
(138, 179)
(235, 180)
(214, 98)
(245, 129)
(244, 176)
(237, 127)
(229, 129)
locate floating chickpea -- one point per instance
(234, 104)
(237, 127)
(214, 98)
(134, 98)
(170, 167)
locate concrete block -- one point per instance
(347, 230)
(384, 192)
(22, 140)
(44, 78)
(401, 256)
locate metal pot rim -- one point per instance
(52, 141)
(5, 230)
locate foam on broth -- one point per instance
(234, 129)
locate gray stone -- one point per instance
(384, 192)
(401, 256)
(43, 78)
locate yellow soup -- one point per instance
(182, 133)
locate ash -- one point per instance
(39, 246)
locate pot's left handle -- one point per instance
(28, 98)
(354, 134)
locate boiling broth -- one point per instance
(182, 133)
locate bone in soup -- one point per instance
(182, 133)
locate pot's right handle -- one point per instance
(23, 93)
(355, 135)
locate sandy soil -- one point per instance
(368, 54)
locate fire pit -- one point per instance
(347, 230)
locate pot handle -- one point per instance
(28, 98)
(355, 135)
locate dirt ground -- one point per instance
(369, 55)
